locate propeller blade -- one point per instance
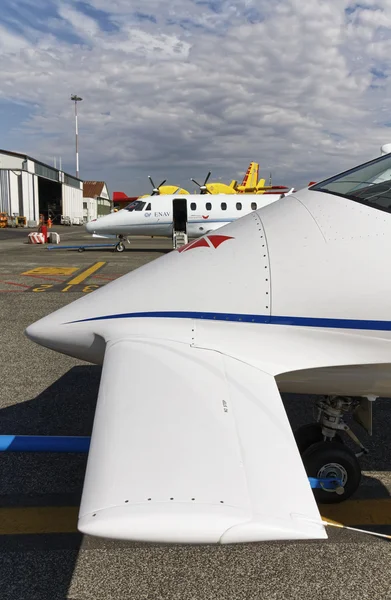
(196, 182)
(207, 177)
(150, 179)
(162, 183)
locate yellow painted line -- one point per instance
(377, 534)
(63, 519)
(84, 274)
(51, 271)
(331, 522)
(358, 512)
(38, 519)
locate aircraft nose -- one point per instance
(57, 332)
(46, 332)
(91, 226)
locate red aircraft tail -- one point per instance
(119, 196)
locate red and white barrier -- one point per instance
(36, 238)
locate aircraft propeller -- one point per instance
(156, 191)
(203, 188)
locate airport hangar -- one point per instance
(30, 188)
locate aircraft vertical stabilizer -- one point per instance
(250, 179)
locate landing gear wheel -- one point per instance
(331, 459)
(120, 247)
(80, 250)
(310, 434)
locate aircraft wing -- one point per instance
(192, 446)
(108, 236)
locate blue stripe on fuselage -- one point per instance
(246, 318)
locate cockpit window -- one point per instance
(149, 206)
(135, 205)
(368, 184)
(131, 206)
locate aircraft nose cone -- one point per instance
(33, 332)
(91, 226)
(58, 332)
(48, 331)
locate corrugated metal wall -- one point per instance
(30, 196)
(4, 192)
(19, 194)
(14, 177)
(72, 202)
(36, 199)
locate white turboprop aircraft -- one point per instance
(191, 442)
(178, 218)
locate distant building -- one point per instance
(30, 188)
(96, 200)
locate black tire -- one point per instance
(120, 247)
(327, 459)
(310, 434)
(81, 250)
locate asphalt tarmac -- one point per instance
(43, 557)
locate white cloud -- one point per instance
(142, 43)
(80, 22)
(297, 86)
(11, 43)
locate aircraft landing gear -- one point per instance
(323, 452)
(120, 247)
(332, 459)
(310, 434)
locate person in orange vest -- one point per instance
(50, 222)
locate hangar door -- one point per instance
(49, 192)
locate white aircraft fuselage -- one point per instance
(307, 278)
(191, 442)
(195, 214)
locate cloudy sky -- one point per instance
(175, 88)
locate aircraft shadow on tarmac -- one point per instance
(42, 565)
(67, 408)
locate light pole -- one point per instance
(76, 99)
